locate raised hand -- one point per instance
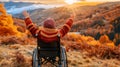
(26, 14)
(72, 16)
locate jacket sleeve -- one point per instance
(66, 27)
(31, 27)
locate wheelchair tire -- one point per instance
(35, 59)
(64, 57)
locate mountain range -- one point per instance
(18, 7)
(85, 16)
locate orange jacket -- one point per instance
(47, 34)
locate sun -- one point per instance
(70, 1)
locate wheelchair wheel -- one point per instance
(35, 59)
(63, 58)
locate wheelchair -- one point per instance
(52, 53)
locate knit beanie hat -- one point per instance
(49, 23)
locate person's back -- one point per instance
(48, 32)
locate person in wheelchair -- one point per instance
(48, 32)
(47, 35)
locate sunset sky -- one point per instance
(102, 0)
(63, 0)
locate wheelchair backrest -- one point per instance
(50, 49)
(54, 44)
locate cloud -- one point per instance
(3, 0)
(31, 7)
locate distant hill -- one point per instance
(86, 16)
(8, 5)
(62, 13)
(16, 8)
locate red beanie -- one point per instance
(49, 23)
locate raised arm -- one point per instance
(30, 26)
(67, 26)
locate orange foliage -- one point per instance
(7, 26)
(103, 48)
(6, 31)
(2, 9)
(104, 39)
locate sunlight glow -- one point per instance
(70, 1)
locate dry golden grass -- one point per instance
(20, 56)
(80, 53)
